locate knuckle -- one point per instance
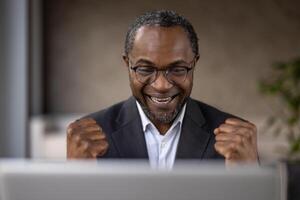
(85, 145)
(106, 145)
(222, 126)
(99, 137)
(253, 125)
(88, 120)
(245, 139)
(100, 128)
(239, 139)
(232, 146)
(237, 129)
(102, 134)
(248, 136)
(103, 137)
(254, 130)
(94, 154)
(96, 128)
(77, 138)
(69, 131)
(216, 145)
(103, 149)
(89, 129)
(228, 155)
(103, 145)
(219, 148)
(72, 125)
(245, 131)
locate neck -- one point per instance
(162, 128)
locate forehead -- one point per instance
(162, 44)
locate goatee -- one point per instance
(162, 117)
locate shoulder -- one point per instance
(211, 110)
(212, 115)
(107, 118)
(108, 112)
(116, 116)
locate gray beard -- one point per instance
(162, 117)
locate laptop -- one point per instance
(132, 180)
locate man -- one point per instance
(161, 122)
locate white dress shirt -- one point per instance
(161, 148)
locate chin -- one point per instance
(164, 117)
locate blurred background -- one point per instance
(62, 59)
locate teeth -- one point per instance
(161, 100)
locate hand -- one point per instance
(85, 139)
(236, 140)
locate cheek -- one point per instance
(187, 86)
(136, 87)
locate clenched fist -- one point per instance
(85, 140)
(236, 140)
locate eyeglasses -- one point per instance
(174, 74)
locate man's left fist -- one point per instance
(236, 140)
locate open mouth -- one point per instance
(162, 100)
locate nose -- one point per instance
(161, 84)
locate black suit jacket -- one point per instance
(123, 128)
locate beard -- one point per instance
(162, 117)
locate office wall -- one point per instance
(238, 40)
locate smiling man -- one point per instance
(160, 122)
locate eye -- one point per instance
(145, 71)
(178, 71)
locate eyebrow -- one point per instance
(145, 61)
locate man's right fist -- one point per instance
(85, 140)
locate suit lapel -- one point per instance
(129, 139)
(194, 138)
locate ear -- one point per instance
(126, 60)
(197, 58)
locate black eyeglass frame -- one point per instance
(166, 72)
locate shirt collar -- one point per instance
(145, 120)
